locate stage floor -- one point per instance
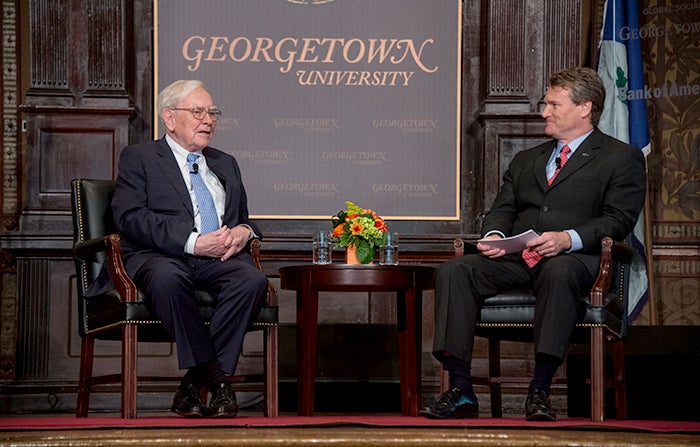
(341, 437)
(337, 431)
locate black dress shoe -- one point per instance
(452, 404)
(538, 407)
(188, 402)
(223, 402)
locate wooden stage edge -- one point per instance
(340, 437)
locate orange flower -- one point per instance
(360, 227)
(338, 230)
(356, 228)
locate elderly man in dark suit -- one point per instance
(181, 210)
(574, 190)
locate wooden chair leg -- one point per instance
(444, 379)
(129, 371)
(271, 371)
(597, 375)
(87, 352)
(203, 394)
(619, 380)
(495, 372)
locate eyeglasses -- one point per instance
(200, 112)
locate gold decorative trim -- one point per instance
(673, 231)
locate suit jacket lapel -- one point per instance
(172, 172)
(214, 166)
(540, 165)
(586, 152)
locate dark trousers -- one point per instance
(561, 285)
(239, 290)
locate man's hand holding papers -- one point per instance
(494, 246)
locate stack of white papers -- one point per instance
(512, 244)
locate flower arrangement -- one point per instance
(360, 227)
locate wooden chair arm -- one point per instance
(601, 286)
(460, 247)
(622, 252)
(458, 244)
(122, 281)
(111, 244)
(272, 298)
(255, 252)
(611, 251)
(86, 251)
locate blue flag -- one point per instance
(625, 113)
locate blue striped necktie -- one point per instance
(205, 201)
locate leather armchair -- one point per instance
(509, 316)
(121, 314)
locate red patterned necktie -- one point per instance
(532, 257)
(563, 157)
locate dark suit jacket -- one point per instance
(599, 192)
(152, 207)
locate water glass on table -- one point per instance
(389, 252)
(322, 248)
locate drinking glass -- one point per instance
(322, 248)
(389, 252)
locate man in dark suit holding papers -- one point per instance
(574, 190)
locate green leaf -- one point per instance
(365, 254)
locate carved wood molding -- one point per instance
(8, 315)
(77, 48)
(506, 53)
(9, 195)
(563, 29)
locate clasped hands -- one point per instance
(550, 243)
(222, 243)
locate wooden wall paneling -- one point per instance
(77, 107)
(527, 42)
(78, 52)
(8, 317)
(49, 25)
(563, 28)
(77, 110)
(472, 97)
(506, 56)
(48, 345)
(62, 144)
(504, 137)
(33, 318)
(106, 46)
(139, 69)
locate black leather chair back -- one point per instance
(92, 219)
(104, 314)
